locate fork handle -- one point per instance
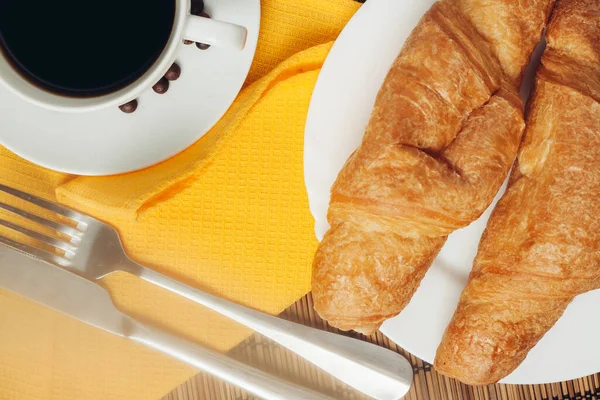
(259, 383)
(373, 370)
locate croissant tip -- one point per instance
(367, 330)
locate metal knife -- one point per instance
(88, 302)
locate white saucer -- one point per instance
(110, 142)
(339, 112)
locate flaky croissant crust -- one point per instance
(541, 247)
(444, 131)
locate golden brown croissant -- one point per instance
(541, 247)
(443, 134)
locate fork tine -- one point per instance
(34, 252)
(64, 211)
(59, 244)
(74, 233)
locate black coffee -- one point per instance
(84, 48)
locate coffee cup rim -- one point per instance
(11, 79)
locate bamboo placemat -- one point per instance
(428, 385)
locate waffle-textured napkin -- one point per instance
(228, 215)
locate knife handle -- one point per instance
(259, 383)
(375, 371)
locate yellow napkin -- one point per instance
(228, 215)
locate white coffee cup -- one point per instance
(185, 26)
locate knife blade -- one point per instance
(61, 290)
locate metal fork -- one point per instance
(93, 250)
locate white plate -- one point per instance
(339, 112)
(108, 141)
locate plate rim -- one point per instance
(523, 377)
